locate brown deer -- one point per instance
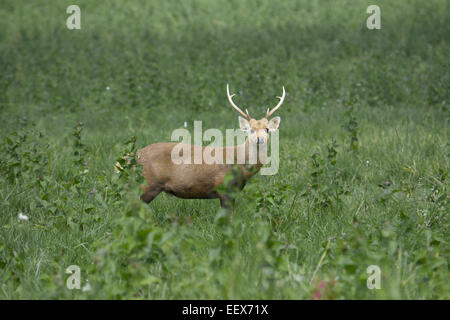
(199, 181)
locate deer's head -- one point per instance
(258, 130)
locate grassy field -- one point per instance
(363, 176)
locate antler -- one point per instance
(269, 113)
(230, 98)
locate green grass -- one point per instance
(332, 210)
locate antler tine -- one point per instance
(269, 113)
(230, 98)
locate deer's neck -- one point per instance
(255, 155)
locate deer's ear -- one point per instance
(274, 123)
(244, 124)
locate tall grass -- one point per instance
(363, 176)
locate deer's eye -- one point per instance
(252, 131)
(267, 130)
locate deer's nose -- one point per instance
(260, 140)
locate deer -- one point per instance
(200, 181)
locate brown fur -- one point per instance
(194, 181)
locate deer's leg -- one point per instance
(225, 201)
(150, 193)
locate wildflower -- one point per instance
(323, 289)
(108, 88)
(317, 295)
(118, 167)
(22, 216)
